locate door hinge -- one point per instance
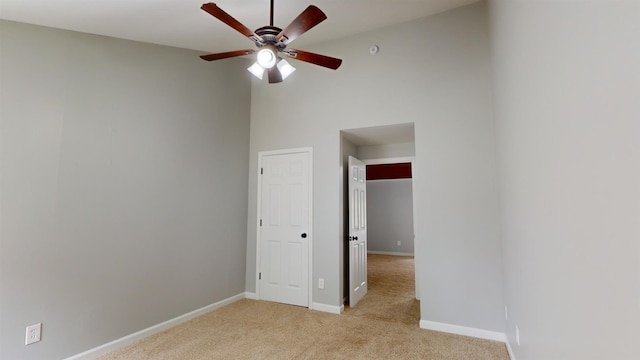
(259, 276)
(261, 171)
(260, 222)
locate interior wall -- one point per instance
(567, 80)
(390, 216)
(123, 186)
(389, 203)
(439, 70)
(383, 151)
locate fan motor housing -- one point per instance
(269, 34)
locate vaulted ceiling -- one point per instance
(181, 23)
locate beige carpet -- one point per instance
(384, 325)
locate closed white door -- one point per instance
(357, 230)
(284, 229)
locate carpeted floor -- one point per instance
(384, 325)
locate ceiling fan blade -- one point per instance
(228, 54)
(309, 18)
(221, 15)
(317, 59)
(274, 75)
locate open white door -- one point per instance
(357, 230)
(284, 228)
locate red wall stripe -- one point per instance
(389, 171)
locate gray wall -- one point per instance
(434, 72)
(390, 216)
(386, 151)
(123, 186)
(567, 104)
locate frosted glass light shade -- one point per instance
(285, 68)
(256, 70)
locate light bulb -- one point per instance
(267, 56)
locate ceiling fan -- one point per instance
(272, 41)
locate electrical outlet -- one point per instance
(398, 242)
(506, 313)
(321, 283)
(33, 334)
(517, 335)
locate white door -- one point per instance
(357, 231)
(284, 229)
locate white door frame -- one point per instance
(410, 159)
(261, 154)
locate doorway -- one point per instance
(380, 145)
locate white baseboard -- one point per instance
(251, 295)
(389, 253)
(327, 308)
(463, 330)
(511, 356)
(116, 344)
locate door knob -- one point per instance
(304, 235)
(355, 238)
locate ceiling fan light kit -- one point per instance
(285, 68)
(267, 56)
(256, 70)
(272, 41)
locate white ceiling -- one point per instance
(181, 23)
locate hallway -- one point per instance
(391, 295)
